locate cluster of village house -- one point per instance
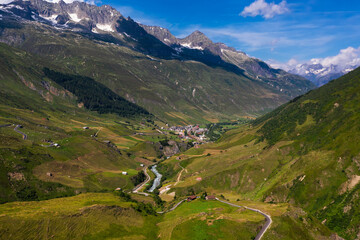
(190, 132)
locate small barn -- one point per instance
(210, 197)
(191, 198)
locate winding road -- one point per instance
(267, 217)
(265, 227)
(18, 131)
(173, 208)
(179, 176)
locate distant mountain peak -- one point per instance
(197, 39)
(78, 14)
(320, 74)
(197, 33)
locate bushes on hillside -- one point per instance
(139, 178)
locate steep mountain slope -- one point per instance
(287, 83)
(60, 155)
(180, 86)
(91, 216)
(305, 153)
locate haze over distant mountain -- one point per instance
(322, 70)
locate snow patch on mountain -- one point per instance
(105, 27)
(74, 17)
(6, 1)
(11, 6)
(189, 45)
(52, 18)
(128, 35)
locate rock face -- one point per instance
(89, 19)
(172, 149)
(15, 176)
(162, 34)
(288, 83)
(84, 15)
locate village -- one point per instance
(190, 132)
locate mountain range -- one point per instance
(322, 70)
(319, 74)
(87, 98)
(252, 67)
(192, 77)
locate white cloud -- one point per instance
(347, 58)
(264, 9)
(291, 64)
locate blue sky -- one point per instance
(269, 29)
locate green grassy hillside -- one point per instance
(61, 156)
(178, 91)
(305, 153)
(202, 219)
(86, 216)
(108, 216)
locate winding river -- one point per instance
(157, 180)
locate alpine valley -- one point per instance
(111, 129)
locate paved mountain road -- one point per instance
(18, 131)
(267, 217)
(258, 236)
(173, 208)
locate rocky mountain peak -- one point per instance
(197, 39)
(198, 34)
(80, 14)
(162, 34)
